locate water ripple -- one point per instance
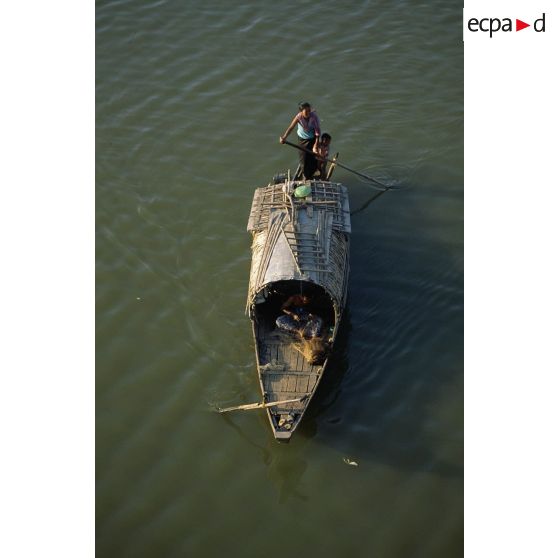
(190, 100)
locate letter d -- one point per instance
(541, 30)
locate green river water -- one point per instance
(191, 98)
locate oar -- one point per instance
(261, 405)
(337, 163)
(367, 203)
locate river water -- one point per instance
(191, 98)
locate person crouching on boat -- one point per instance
(297, 319)
(294, 301)
(323, 154)
(308, 131)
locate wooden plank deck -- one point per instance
(284, 372)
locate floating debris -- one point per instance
(349, 462)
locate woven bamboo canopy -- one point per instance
(304, 239)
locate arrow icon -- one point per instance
(519, 25)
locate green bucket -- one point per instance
(302, 191)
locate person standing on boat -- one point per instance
(308, 131)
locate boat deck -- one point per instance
(284, 372)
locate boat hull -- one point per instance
(300, 246)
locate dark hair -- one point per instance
(326, 136)
(303, 104)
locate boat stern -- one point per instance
(282, 435)
(284, 423)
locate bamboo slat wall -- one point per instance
(303, 239)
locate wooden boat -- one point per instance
(299, 246)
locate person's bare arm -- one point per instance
(288, 303)
(318, 133)
(288, 130)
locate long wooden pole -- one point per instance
(261, 405)
(337, 163)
